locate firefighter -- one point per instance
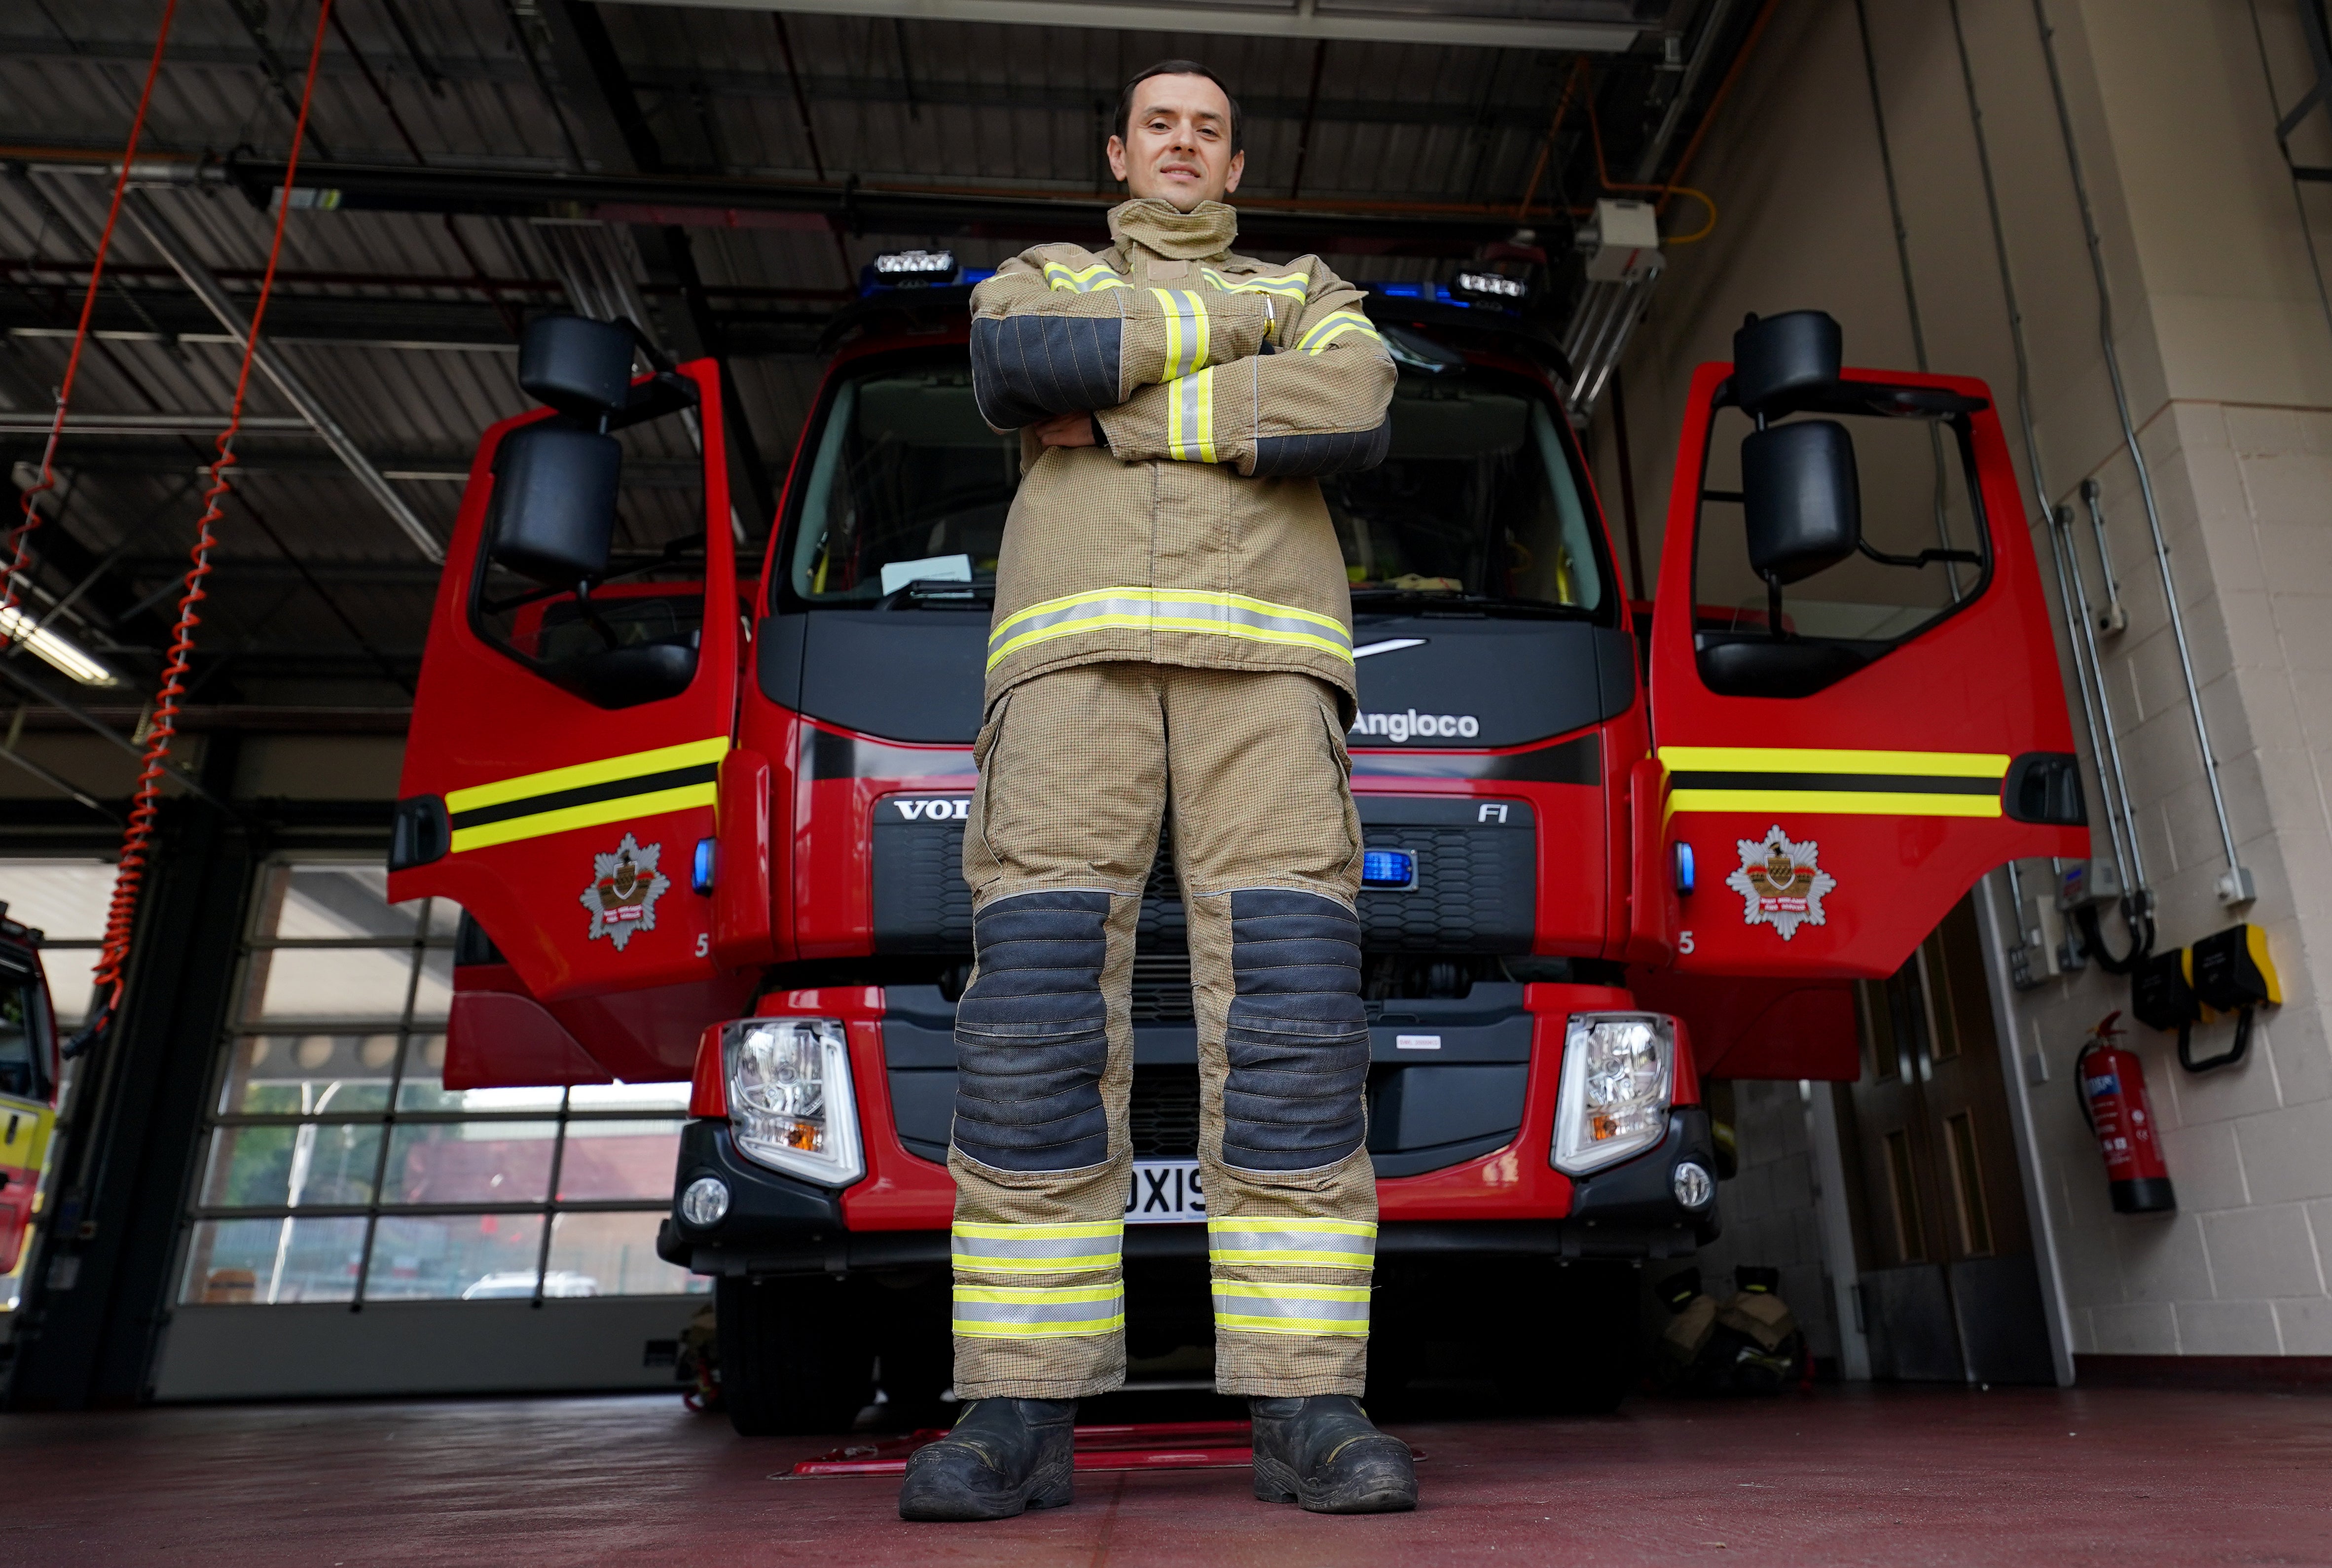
(1173, 632)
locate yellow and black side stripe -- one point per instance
(1888, 783)
(614, 789)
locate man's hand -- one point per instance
(1072, 429)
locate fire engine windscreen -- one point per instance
(1479, 499)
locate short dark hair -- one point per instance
(1173, 67)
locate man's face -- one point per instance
(1178, 148)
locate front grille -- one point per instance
(1477, 892)
(1161, 1114)
(1161, 988)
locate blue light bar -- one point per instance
(1387, 869)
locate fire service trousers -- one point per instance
(1077, 769)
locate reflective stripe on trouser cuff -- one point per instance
(1293, 1243)
(1190, 418)
(1290, 1308)
(1035, 1312)
(1037, 1249)
(1168, 610)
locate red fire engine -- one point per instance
(708, 822)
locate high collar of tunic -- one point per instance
(1201, 234)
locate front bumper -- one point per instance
(778, 1224)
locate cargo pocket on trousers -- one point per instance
(1341, 754)
(981, 865)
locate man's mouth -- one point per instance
(1186, 171)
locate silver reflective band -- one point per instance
(1291, 1244)
(1015, 1312)
(1035, 1248)
(1160, 610)
(1291, 1308)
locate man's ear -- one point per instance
(1239, 167)
(1117, 157)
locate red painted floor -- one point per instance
(1893, 1477)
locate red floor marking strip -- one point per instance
(1148, 1446)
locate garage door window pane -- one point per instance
(443, 1257)
(330, 902)
(319, 1165)
(616, 1253)
(469, 1163)
(333, 1111)
(263, 1262)
(619, 1160)
(303, 1074)
(295, 982)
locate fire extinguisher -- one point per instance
(2112, 1084)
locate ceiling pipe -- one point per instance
(213, 296)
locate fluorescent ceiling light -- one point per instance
(17, 627)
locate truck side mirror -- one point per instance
(554, 503)
(1801, 499)
(1780, 361)
(581, 367)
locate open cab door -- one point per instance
(1854, 685)
(579, 687)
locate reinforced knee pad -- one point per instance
(1031, 1040)
(1296, 1034)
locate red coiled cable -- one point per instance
(122, 914)
(20, 538)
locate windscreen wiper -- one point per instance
(1426, 601)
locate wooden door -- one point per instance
(1950, 1290)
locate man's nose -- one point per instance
(1183, 140)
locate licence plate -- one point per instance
(1165, 1193)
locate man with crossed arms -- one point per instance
(1173, 632)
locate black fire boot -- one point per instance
(1004, 1455)
(1323, 1453)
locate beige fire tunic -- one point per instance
(1196, 535)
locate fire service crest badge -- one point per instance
(1780, 882)
(624, 891)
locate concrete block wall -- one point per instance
(2222, 330)
(1770, 1209)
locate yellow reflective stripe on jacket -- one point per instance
(1186, 332)
(1082, 281)
(1035, 1248)
(1296, 286)
(1251, 1308)
(1030, 1312)
(1293, 1243)
(640, 783)
(1166, 610)
(1191, 418)
(1332, 325)
(1846, 783)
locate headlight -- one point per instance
(1617, 1074)
(789, 1101)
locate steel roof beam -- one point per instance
(212, 294)
(1604, 26)
(729, 81)
(1339, 224)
